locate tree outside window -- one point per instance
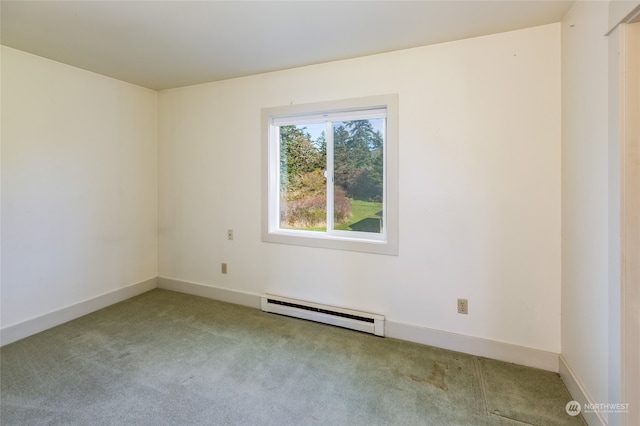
(331, 174)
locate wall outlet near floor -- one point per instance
(223, 268)
(463, 306)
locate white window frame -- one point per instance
(385, 242)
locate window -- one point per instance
(331, 175)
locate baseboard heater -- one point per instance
(347, 318)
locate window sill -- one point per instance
(321, 240)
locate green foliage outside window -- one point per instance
(358, 176)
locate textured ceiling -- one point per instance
(165, 44)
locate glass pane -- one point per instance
(303, 186)
(359, 175)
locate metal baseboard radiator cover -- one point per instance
(347, 318)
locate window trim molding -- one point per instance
(322, 240)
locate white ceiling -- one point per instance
(165, 44)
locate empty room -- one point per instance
(320, 212)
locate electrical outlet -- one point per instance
(463, 306)
(229, 234)
(223, 269)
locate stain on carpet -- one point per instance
(436, 378)
(438, 375)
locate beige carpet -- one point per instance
(166, 358)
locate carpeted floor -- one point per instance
(166, 358)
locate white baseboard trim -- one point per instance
(441, 339)
(210, 292)
(27, 328)
(579, 394)
(474, 345)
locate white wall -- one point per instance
(79, 186)
(479, 188)
(585, 220)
